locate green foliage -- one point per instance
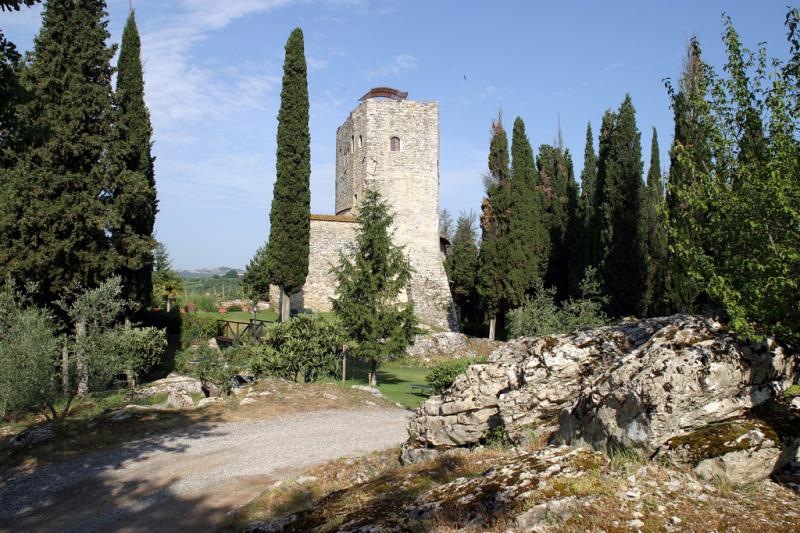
(211, 368)
(132, 192)
(656, 228)
(735, 221)
(136, 350)
(288, 246)
(305, 348)
(53, 202)
(203, 302)
(28, 354)
(167, 284)
(235, 309)
(623, 268)
(256, 279)
(370, 276)
(540, 315)
(196, 327)
(443, 375)
(461, 265)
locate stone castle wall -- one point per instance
(408, 179)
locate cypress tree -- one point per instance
(462, 268)
(491, 268)
(133, 197)
(587, 206)
(528, 241)
(656, 234)
(624, 265)
(288, 246)
(690, 155)
(558, 183)
(369, 280)
(601, 218)
(53, 219)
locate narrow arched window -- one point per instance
(360, 141)
(352, 143)
(395, 144)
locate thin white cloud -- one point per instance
(399, 64)
(487, 92)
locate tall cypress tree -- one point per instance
(53, 220)
(624, 264)
(587, 205)
(288, 246)
(133, 196)
(528, 240)
(656, 234)
(491, 268)
(558, 183)
(690, 155)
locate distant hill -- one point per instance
(201, 273)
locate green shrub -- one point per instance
(197, 327)
(234, 308)
(304, 348)
(539, 315)
(212, 368)
(443, 375)
(203, 302)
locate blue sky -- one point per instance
(213, 71)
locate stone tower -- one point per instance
(391, 144)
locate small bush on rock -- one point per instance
(444, 374)
(197, 328)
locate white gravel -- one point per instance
(191, 476)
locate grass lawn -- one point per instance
(394, 381)
(241, 316)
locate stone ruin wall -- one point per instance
(329, 235)
(409, 180)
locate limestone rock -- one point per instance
(795, 403)
(179, 399)
(371, 390)
(544, 513)
(738, 451)
(638, 383)
(173, 382)
(205, 402)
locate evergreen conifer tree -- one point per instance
(133, 194)
(624, 264)
(256, 276)
(527, 243)
(288, 246)
(461, 265)
(601, 216)
(588, 253)
(370, 276)
(690, 156)
(53, 219)
(491, 267)
(656, 234)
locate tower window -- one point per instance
(395, 144)
(360, 141)
(352, 144)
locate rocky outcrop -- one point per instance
(172, 384)
(639, 383)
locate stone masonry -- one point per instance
(391, 145)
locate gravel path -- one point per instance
(189, 478)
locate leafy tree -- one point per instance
(738, 226)
(133, 193)
(28, 355)
(371, 275)
(461, 265)
(52, 202)
(167, 284)
(656, 235)
(288, 246)
(491, 267)
(624, 264)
